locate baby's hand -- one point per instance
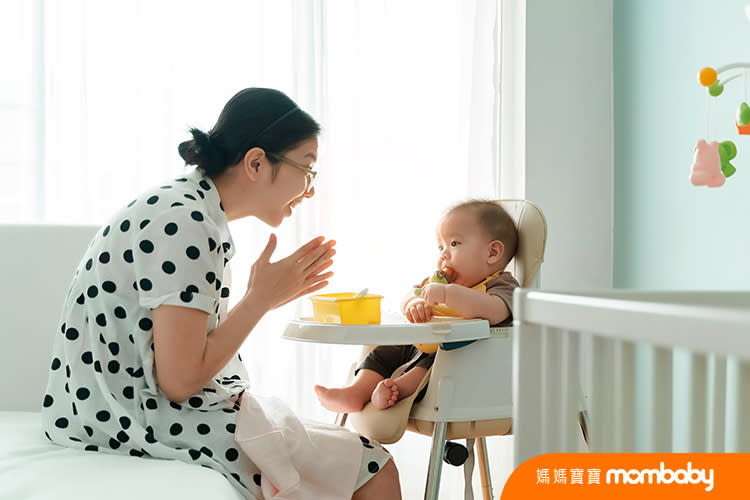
(417, 311)
(434, 293)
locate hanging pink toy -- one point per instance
(706, 168)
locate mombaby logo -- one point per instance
(662, 476)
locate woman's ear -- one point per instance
(251, 163)
(496, 249)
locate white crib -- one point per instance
(646, 371)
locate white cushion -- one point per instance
(32, 468)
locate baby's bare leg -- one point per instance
(351, 398)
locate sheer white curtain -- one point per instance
(407, 92)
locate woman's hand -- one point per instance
(275, 283)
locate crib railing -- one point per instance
(642, 371)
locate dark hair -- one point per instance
(254, 117)
(496, 222)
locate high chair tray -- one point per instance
(440, 330)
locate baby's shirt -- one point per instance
(500, 284)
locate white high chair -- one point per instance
(469, 391)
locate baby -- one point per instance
(476, 241)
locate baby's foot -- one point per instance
(385, 394)
(344, 400)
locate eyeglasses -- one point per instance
(310, 174)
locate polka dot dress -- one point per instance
(169, 246)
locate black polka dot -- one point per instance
(166, 186)
(364, 440)
(83, 393)
(232, 454)
(176, 406)
(101, 320)
(168, 267)
(88, 430)
(177, 204)
(189, 196)
(114, 348)
(67, 371)
(109, 287)
(103, 416)
(125, 422)
(48, 401)
(203, 429)
(196, 216)
(127, 255)
(132, 203)
(224, 292)
(145, 284)
(146, 246)
(186, 296)
(92, 292)
(170, 228)
(210, 277)
(145, 324)
(87, 357)
(175, 429)
(256, 479)
(151, 404)
(205, 185)
(194, 454)
(120, 312)
(211, 244)
(200, 193)
(195, 402)
(136, 453)
(373, 467)
(106, 231)
(114, 444)
(104, 257)
(226, 246)
(102, 340)
(113, 367)
(71, 334)
(231, 428)
(56, 363)
(150, 437)
(127, 392)
(144, 223)
(152, 200)
(89, 264)
(97, 366)
(207, 451)
(80, 300)
(61, 423)
(125, 225)
(193, 252)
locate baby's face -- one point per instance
(464, 247)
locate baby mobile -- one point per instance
(711, 163)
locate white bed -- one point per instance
(36, 264)
(652, 371)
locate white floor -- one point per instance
(413, 474)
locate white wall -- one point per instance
(557, 112)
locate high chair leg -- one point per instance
(484, 468)
(436, 461)
(341, 419)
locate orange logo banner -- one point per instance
(630, 475)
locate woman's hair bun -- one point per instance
(203, 152)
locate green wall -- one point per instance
(669, 234)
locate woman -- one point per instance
(146, 361)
